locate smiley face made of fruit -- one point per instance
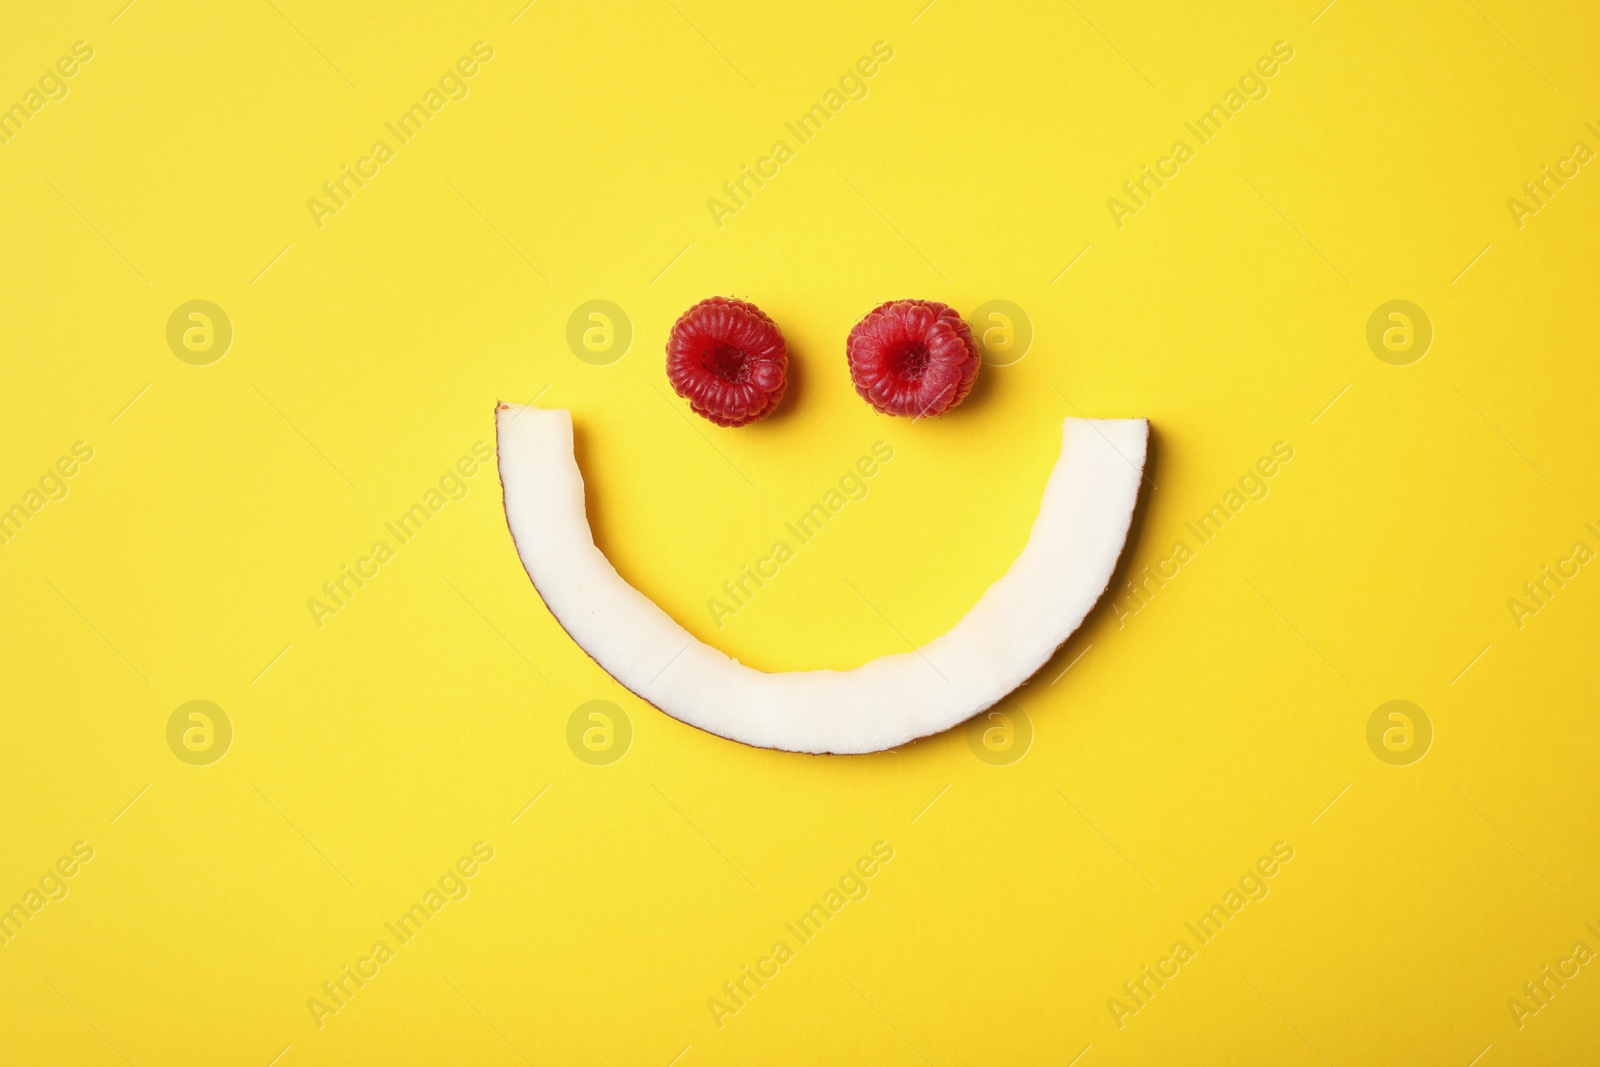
(912, 358)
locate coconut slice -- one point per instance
(1013, 629)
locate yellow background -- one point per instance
(371, 752)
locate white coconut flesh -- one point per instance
(1012, 631)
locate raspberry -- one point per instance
(727, 358)
(912, 357)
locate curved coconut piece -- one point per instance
(1013, 629)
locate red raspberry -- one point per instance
(912, 357)
(727, 358)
